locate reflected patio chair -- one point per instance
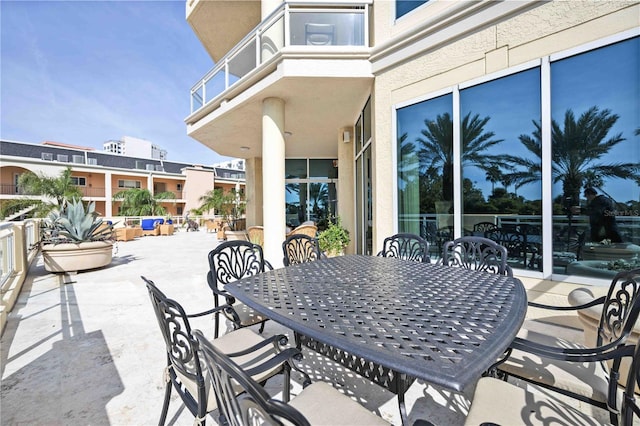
(310, 230)
(499, 402)
(300, 249)
(184, 372)
(545, 360)
(477, 253)
(228, 262)
(481, 227)
(407, 247)
(319, 34)
(317, 404)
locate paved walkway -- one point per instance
(88, 351)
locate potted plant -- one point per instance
(334, 239)
(75, 239)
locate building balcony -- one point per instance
(314, 57)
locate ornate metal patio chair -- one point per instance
(499, 402)
(231, 261)
(300, 249)
(546, 360)
(317, 404)
(406, 246)
(184, 370)
(477, 253)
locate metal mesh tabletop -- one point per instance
(440, 324)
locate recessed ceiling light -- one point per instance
(244, 148)
(288, 133)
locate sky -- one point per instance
(84, 72)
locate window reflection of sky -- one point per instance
(512, 103)
(607, 77)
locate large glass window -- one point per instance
(595, 112)
(501, 165)
(590, 140)
(425, 169)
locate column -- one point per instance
(108, 194)
(273, 152)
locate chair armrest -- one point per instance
(277, 341)
(285, 356)
(598, 301)
(611, 350)
(210, 311)
(267, 264)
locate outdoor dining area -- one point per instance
(195, 330)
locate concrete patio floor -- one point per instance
(86, 348)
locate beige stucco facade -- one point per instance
(534, 31)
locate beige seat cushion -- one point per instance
(247, 315)
(229, 343)
(587, 379)
(322, 404)
(502, 403)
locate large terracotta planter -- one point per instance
(73, 257)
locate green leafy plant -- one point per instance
(72, 223)
(335, 238)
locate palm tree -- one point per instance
(55, 190)
(141, 202)
(494, 175)
(436, 147)
(222, 202)
(577, 150)
(408, 165)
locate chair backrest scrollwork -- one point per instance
(619, 312)
(477, 253)
(233, 260)
(300, 249)
(406, 246)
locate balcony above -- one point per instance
(219, 25)
(315, 58)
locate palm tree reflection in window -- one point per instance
(578, 148)
(436, 147)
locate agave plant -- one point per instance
(75, 224)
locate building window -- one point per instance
(310, 190)
(124, 183)
(595, 143)
(140, 165)
(179, 187)
(92, 161)
(62, 158)
(425, 168)
(47, 156)
(78, 159)
(78, 181)
(405, 6)
(592, 140)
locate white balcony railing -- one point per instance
(289, 25)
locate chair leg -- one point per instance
(167, 398)
(261, 327)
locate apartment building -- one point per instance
(432, 117)
(100, 175)
(135, 147)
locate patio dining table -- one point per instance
(393, 320)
